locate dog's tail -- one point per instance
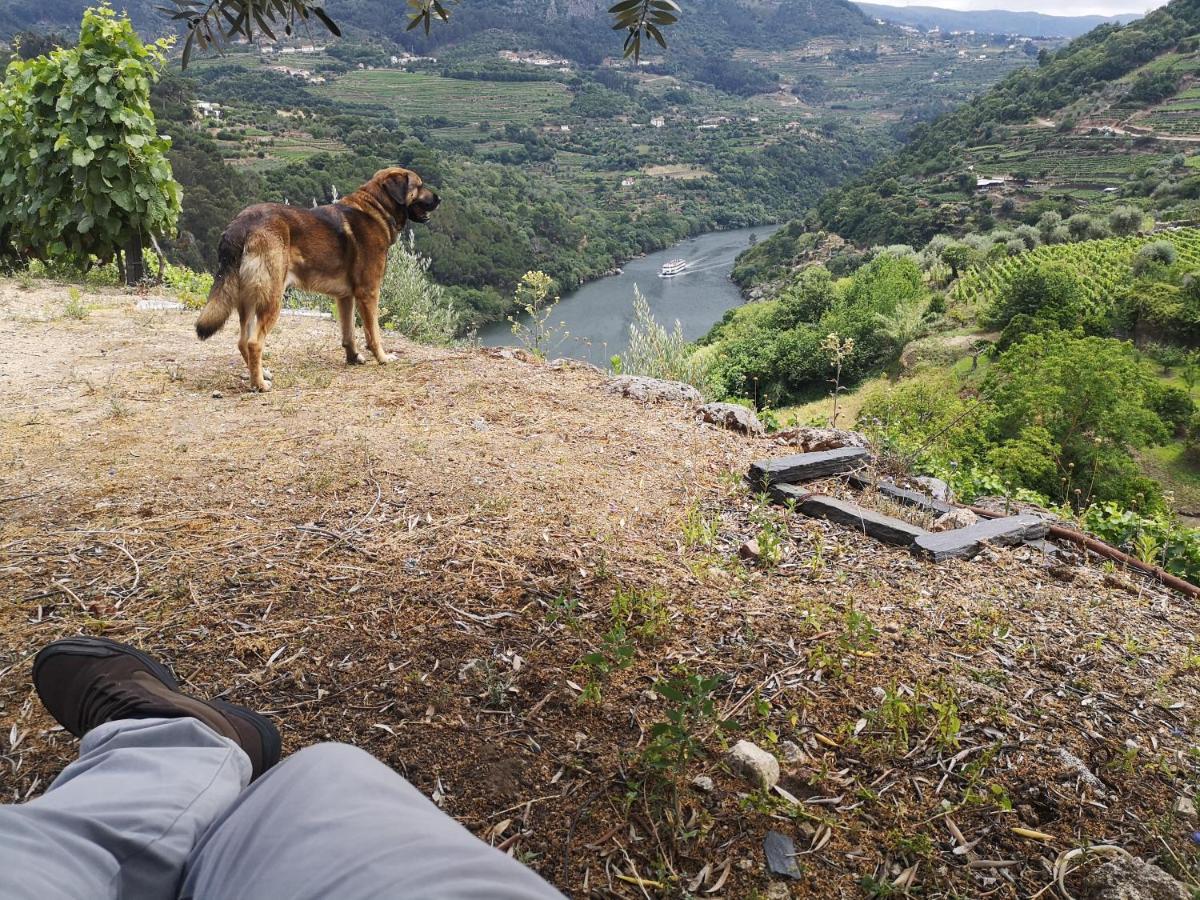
(223, 296)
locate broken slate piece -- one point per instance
(807, 466)
(780, 851)
(876, 525)
(963, 543)
(904, 496)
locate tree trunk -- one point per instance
(135, 263)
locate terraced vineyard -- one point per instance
(414, 96)
(1103, 267)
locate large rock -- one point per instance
(1130, 878)
(883, 528)
(731, 416)
(650, 390)
(755, 764)
(813, 440)
(807, 466)
(963, 543)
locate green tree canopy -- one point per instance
(83, 170)
(1083, 404)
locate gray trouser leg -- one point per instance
(121, 820)
(332, 821)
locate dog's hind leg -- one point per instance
(345, 308)
(267, 317)
(247, 319)
(262, 275)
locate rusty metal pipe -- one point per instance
(1109, 552)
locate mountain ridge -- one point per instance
(993, 21)
(1092, 124)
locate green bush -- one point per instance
(411, 302)
(1157, 540)
(655, 352)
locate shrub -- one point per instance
(1125, 220)
(655, 352)
(410, 302)
(1176, 548)
(1156, 253)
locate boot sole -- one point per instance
(97, 646)
(272, 746)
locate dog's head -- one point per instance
(405, 192)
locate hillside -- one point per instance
(1107, 120)
(580, 29)
(423, 559)
(994, 21)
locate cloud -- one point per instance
(1050, 7)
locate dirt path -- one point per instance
(434, 560)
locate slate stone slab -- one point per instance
(780, 851)
(963, 543)
(807, 466)
(818, 506)
(904, 496)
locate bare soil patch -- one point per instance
(419, 559)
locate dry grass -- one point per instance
(415, 559)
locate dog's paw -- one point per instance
(385, 358)
(355, 359)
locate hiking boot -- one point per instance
(87, 681)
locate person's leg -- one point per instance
(156, 766)
(121, 820)
(332, 821)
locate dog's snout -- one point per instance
(434, 200)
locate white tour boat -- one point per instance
(672, 268)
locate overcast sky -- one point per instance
(1050, 7)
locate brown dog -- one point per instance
(340, 250)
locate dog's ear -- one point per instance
(397, 188)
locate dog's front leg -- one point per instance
(345, 307)
(368, 311)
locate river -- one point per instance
(596, 317)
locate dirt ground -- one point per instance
(480, 569)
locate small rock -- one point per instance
(750, 550)
(1130, 878)
(731, 416)
(1080, 769)
(480, 424)
(936, 488)
(1185, 807)
(790, 751)
(754, 764)
(702, 783)
(650, 696)
(780, 851)
(814, 440)
(955, 519)
(217, 395)
(637, 387)
(892, 627)
(564, 363)
(778, 890)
